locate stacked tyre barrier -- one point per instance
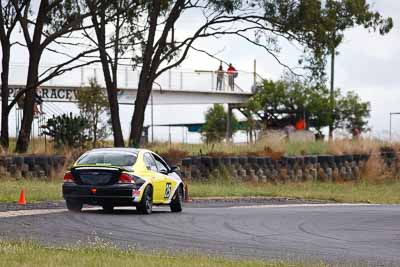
(265, 169)
(38, 166)
(389, 156)
(390, 161)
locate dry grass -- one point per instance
(348, 146)
(378, 171)
(42, 147)
(267, 146)
(276, 147)
(173, 156)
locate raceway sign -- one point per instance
(66, 94)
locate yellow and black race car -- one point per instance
(112, 177)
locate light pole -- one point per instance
(332, 93)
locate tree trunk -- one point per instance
(111, 84)
(114, 110)
(150, 64)
(35, 53)
(27, 119)
(4, 137)
(137, 121)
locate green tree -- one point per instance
(214, 128)
(327, 23)
(67, 130)
(318, 108)
(283, 102)
(93, 105)
(353, 113)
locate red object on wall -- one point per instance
(300, 125)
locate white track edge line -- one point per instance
(17, 213)
(305, 205)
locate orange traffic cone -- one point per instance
(186, 193)
(22, 200)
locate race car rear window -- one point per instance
(109, 158)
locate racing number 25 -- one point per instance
(167, 190)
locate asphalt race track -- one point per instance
(361, 234)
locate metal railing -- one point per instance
(177, 79)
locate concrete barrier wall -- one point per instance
(265, 169)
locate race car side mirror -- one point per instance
(165, 172)
(175, 169)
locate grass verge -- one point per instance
(32, 254)
(350, 192)
(367, 192)
(35, 190)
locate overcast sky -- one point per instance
(368, 64)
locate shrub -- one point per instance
(67, 130)
(93, 105)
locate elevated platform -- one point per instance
(63, 94)
(174, 87)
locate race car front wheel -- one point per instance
(177, 200)
(74, 205)
(146, 204)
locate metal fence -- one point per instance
(176, 79)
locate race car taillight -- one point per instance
(68, 177)
(125, 178)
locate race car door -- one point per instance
(169, 184)
(158, 180)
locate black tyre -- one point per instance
(177, 200)
(74, 205)
(108, 208)
(146, 204)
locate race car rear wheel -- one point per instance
(146, 204)
(108, 208)
(177, 200)
(74, 205)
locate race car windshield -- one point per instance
(109, 158)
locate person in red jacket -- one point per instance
(232, 74)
